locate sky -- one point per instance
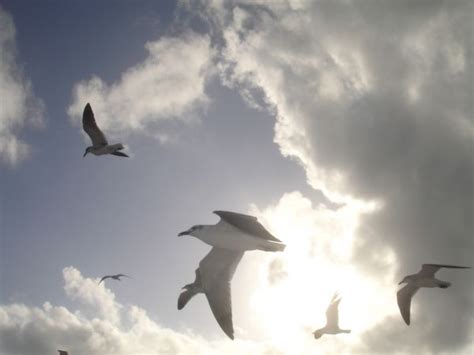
(346, 127)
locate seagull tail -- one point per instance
(271, 246)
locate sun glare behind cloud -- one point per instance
(296, 287)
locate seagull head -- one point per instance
(194, 231)
(88, 149)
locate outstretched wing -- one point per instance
(404, 296)
(247, 224)
(332, 312)
(104, 278)
(90, 127)
(123, 275)
(216, 271)
(429, 270)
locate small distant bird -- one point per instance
(236, 231)
(332, 319)
(424, 278)
(63, 352)
(231, 237)
(213, 278)
(99, 146)
(115, 277)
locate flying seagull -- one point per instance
(115, 277)
(424, 278)
(231, 237)
(63, 352)
(213, 277)
(235, 231)
(99, 146)
(332, 319)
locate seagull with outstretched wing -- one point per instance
(234, 234)
(424, 278)
(99, 146)
(113, 277)
(332, 319)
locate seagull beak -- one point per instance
(84, 154)
(183, 233)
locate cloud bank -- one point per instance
(101, 326)
(19, 107)
(168, 86)
(374, 99)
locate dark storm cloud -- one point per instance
(375, 100)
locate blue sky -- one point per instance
(350, 138)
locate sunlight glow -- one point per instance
(297, 285)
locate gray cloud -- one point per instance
(375, 100)
(19, 106)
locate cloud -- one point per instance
(19, 107)
(168, 86)
(375, 101)
(103, 326)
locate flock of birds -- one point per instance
(230, 238)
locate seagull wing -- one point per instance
(404, 296)
(332, 312)
(90, 127)
(216, 270)
(429, 270)
(105, 277)
(247, 224)
(123, 275)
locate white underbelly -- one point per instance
(232, 240)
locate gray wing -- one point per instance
(332, 312)
(216, 271)
(404, 296)
(247, 224)
(91, 128)
(429, 270)
(105, 277)
(123, 275)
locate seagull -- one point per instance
(332, 319)
(115, 277)
(231, 237)
(63, 352)
(236, 231)
(424, 278)
(99, 146)
(213, 277)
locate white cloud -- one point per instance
(374, 99)
(104, 326)
(18, 106)
(169, 85)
